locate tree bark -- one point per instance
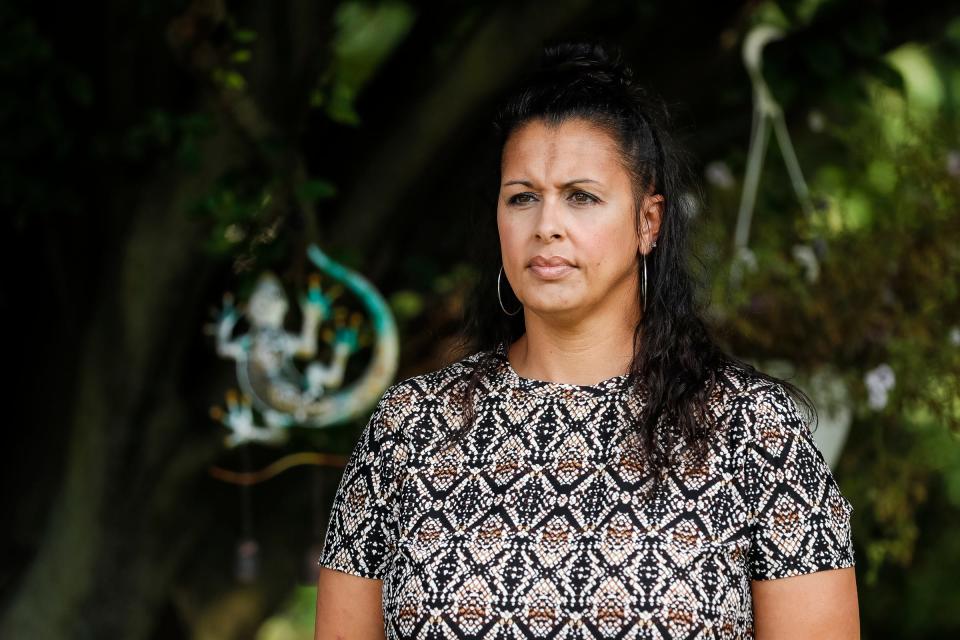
(109, 550)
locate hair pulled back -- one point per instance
(676, 361)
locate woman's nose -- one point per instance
(550, 218)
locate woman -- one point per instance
(597, 466)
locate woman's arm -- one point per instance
(348, 607)
(801, 558)
(820, 605)
(361, 537)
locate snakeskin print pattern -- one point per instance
(532, 526)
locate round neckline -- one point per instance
(549, 388)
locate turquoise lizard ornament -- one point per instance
(270, 383)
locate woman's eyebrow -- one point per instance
(527, 183)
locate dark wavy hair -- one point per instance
(676, 361)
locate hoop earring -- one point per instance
(501, 299)
(654, 244)
(644, 283)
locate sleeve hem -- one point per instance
(350, 570)
(842, 563)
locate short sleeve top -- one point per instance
(533, 526)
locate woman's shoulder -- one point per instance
(735, 380)
(424, 406)
(751, 405)
(435, 387)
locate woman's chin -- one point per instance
(545, 305)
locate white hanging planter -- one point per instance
(830, 394)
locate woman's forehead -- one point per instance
(572, 150)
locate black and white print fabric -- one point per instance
(532, 526)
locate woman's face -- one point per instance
(563, 193)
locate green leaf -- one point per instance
(312, 190)
(407, 304)
(234, 80)
(887, 74)
(244, 36)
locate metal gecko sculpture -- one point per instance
(270, 383)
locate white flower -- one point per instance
(719, 174)
(816, 121)
(745, 258)
(954, 335)
(691, 205)
(804, 255)
(953, 162)
(879, 381)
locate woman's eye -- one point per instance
(586, 199)
(580, 197)
(517, 198)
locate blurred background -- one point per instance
(157, 154)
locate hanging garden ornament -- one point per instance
(247, 561)
(275, 393)
(835, 408)
(766, 111)
(831, 395)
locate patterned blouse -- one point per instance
(531, 526)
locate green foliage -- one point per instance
(460, 276)
(887, 173)
(229, 76)
(239, 212)
(295, 619)
(313, 190)
(365, 36)
(407, 304)
(161, 132)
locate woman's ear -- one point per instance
(650, 220)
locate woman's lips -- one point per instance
(551, 273)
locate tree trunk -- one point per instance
(107, 556)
